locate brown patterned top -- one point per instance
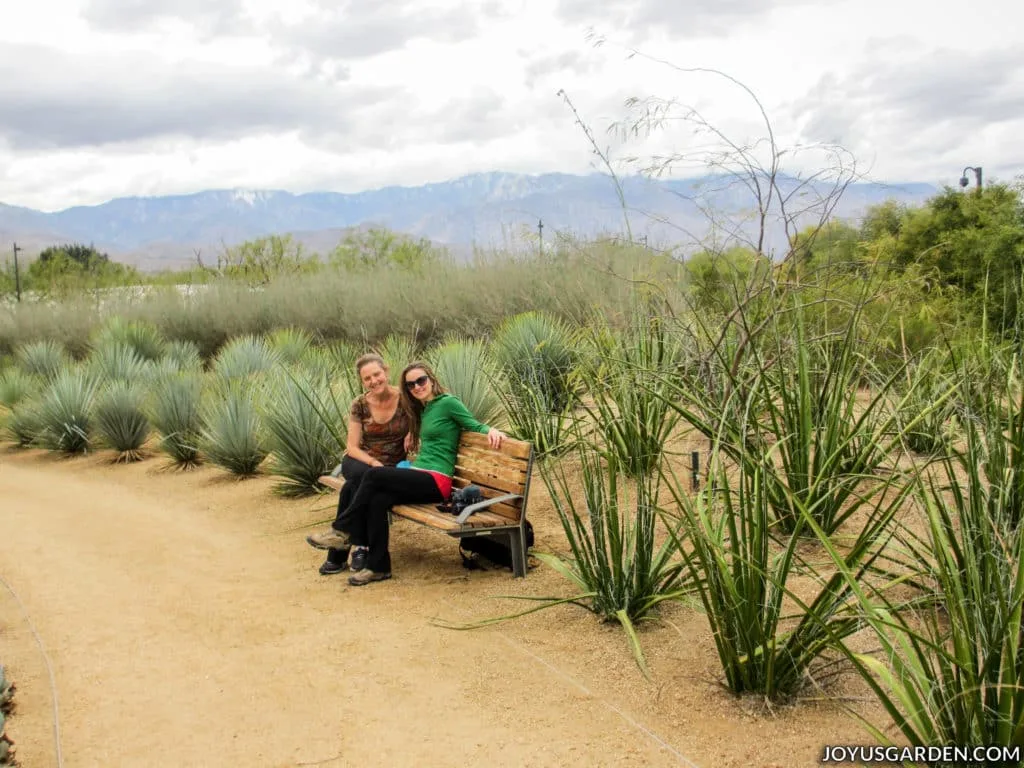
(385, 442)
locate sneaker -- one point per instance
(329, 539)
(365, 576)
(328, 568)
(359, 555)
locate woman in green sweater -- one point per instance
(436, 421)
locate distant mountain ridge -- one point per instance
(482, 209)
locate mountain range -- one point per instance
(484, 210)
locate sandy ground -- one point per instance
(187, 626)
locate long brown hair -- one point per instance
(412, 406)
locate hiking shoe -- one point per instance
(365, 576)
(336, 562)
(359, 555)
(329, 567)
(329, 539)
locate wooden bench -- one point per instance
(503, 477)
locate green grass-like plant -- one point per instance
(121, 419)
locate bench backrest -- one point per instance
(496, 473)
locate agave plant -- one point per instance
(244, 356)
(290, 344)
(121, 419)
(302, 420)
(66, 411)
(929, 429)
(142, 337)
(232, 436)
(742, 572)
(952, 672)
(176, 413)
(466, 370)
(627, 378)
(44, 359)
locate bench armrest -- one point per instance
(468, 511)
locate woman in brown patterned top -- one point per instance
(377, 427)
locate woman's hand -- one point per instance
(408, 442)
(495, 437)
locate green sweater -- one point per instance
(444, 418)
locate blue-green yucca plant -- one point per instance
(44, 359)
(66, 411)
(465, 368)
(243, 357)
(121, 419)
(175, 412)
(233, 434)
(302, 420)
(143, 338)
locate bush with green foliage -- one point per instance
(121, 420)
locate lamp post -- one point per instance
(977, 177)
(17, 275)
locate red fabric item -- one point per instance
(444, 483)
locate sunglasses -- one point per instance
(420, 382)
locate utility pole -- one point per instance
(17, 275)
(540, 237)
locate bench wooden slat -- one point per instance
(509, 447)
(485, 476)
(430, 515)
(491, 459)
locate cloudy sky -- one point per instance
(109, 98)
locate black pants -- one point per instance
(381, 488)
(353, 471)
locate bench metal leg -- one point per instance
(517, 543)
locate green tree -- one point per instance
(715, 281)
(968, 240)
(383, 248)
(260, 261)
(66, 269)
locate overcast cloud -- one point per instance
(107, 98)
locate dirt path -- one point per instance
(187, 626)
